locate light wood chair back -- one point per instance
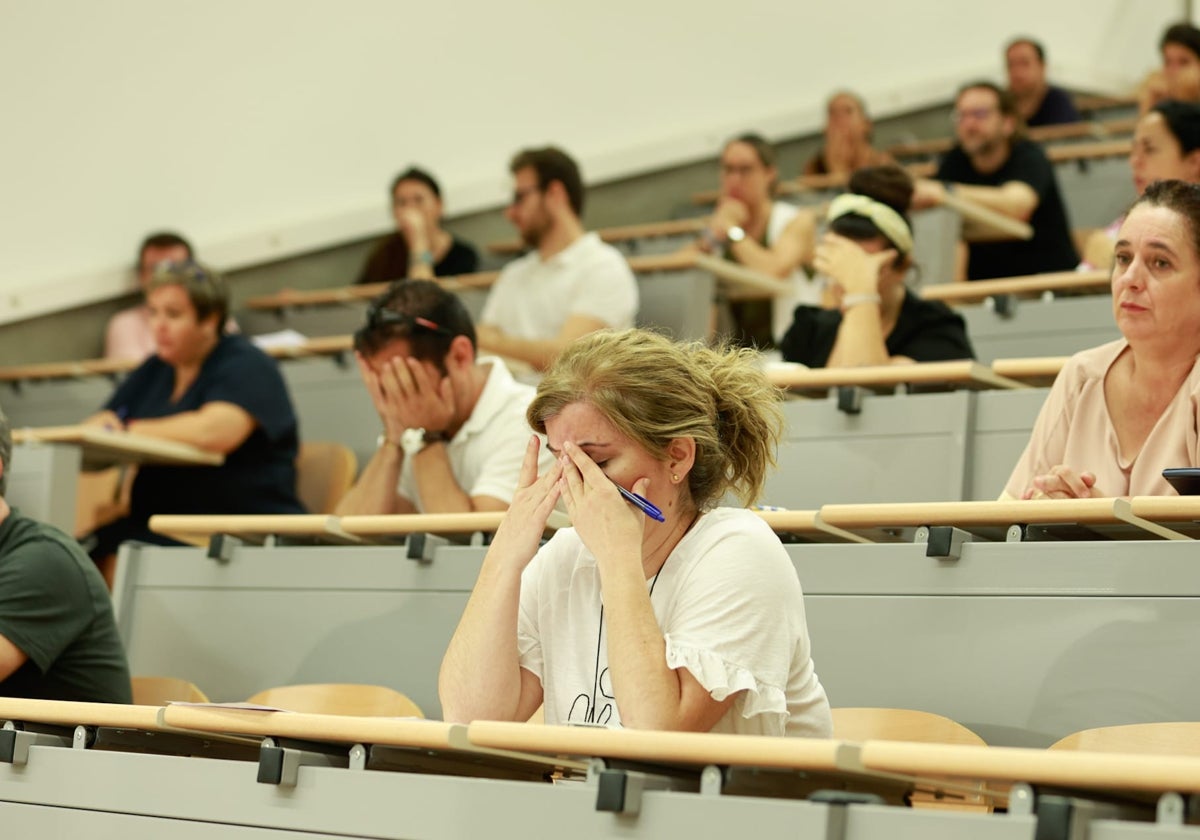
(881, 724)
(159, 691)
(339, 699)
(871, 724)
(324, 472)
(1143, 738)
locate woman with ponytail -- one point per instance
(660, 611)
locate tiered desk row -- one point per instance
(1026, 621)
(70, 769)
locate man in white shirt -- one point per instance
(569, 284)
(454, 427)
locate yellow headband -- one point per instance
(890, 223)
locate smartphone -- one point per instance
(1185, 480)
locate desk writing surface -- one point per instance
(965, 514)
(365, 291)
(664, 747)
(349, 729)
(966, 373)
(975, 291)
(1060, 768)
(807, 524)
(290, 525)
(104, 447)
(1036, 371)
(622, 233)
(68, 713)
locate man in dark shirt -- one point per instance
(992, 166)
(1038, 101)
(58, 640)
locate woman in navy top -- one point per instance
(214, 391)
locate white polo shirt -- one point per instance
(533, 297)
(487, 452)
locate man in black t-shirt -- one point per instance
(58, 640)
(1037, 101)
(992, 166)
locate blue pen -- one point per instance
(642, 504)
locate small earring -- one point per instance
(675, 477)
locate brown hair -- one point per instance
(6, 446)
(1180, 196)
(654, 390)
(552, 164)
(205, 288)
(888, 185)
(421, 312)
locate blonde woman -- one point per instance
(660, 612)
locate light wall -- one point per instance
(269, 128)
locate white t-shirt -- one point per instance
(800, 288)
(487, 452)
(533, 298)
(731, 610)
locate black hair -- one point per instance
(420, 312)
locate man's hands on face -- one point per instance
(409, 394)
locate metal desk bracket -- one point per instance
(422, 547)
(850, 399)
(1005, 306)
(15, 743)
(279, 761)
(1065, 817)
(619, 791)
(221, 547)
(943, 542)
(837, 800)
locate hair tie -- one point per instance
(890, 223)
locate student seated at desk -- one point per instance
(1120, 413)
(866, 255)
(454, 430)
(847, 145)
(749, 226)
(58, 639)
(1179, 77)
(670, 614)
(419, 248)
(1166, 145)
(128, 335)
(570, 283)
(214, 391)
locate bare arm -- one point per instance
(793, 249)
(861, 339)
(540, 353)
(438, 488)
(214, 427)
(481, 677)
(1014, 199)
(374, 493)
(11, 658)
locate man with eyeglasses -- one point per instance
(454, 427)
(993, 165)
(569, 284)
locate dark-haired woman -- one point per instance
(215, 391)
(1120, 413)
(866, 255)
(419, 249)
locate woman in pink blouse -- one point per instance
(1120, 413)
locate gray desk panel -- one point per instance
(1024, 643)
(40, 821)
(1041, 328)
(43, 482)
(397, 805)
(678, 304)
(294, 615)
(57, 402)
(900, 448)
(1003, 422)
